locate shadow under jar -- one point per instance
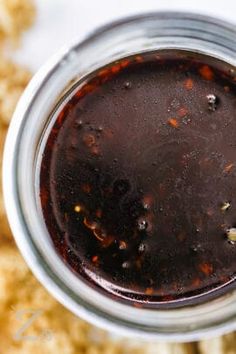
(120, 176)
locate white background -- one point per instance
(61, 21)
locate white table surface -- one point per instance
(61, 21)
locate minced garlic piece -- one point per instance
(231, 234)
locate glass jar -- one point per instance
(35, 115)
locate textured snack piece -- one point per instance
(15, 17)
(4, 227)
(219, 345)
(54, 329)
(13, 80)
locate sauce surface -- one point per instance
(138, 179)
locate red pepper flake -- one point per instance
(160, 59)
(86, 188)
(107, 241)
(116, 68)
(188, 84)
(138, 263)
(206, 268)
(44, 196)
(99, 213)
(226, 88)
(182, 236)
(90, 224)
(108, 133)
(95, 150)
(206, 72)
(149, 219)
(205, 163)
(125, 63)
(97, 231)
(138, 59)
(168, 298)
(107, 191)
(99, 234)
(89, 88)
(228, 167)
(173, 123)
(94, 259)
(223, 279)
(122, 245)
(137, 305)
(175, 286)
(182, 112)
(149, 291)
(60, 117)
(196, 282)
(89, 140)
(147, 201)
(104, 72)
(210, 212)
(79, 94)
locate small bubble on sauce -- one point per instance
(213, 102)
(79, 124)
(125, 265)
(142, 225)
(142, 247)
(186, 120)
(127, 85)
(195, 248)
(146, 206)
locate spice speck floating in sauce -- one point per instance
(138, 179)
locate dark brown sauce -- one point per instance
(138, 179)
